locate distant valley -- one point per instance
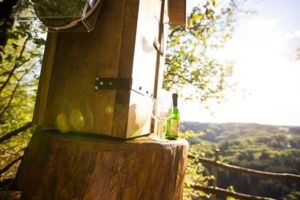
(215, 132)
(255, 146)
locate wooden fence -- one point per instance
(217, 164)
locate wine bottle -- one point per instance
(173, 119)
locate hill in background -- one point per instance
(215, 132)
(255, 146)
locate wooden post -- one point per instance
(215, 172)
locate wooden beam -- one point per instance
(177, 12)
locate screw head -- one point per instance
(96, 87)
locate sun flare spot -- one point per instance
(62, 123)
(76, 120)
(109, 109)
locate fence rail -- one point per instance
(253, 172)
(216, 190)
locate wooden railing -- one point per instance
(217, 164)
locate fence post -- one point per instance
(215, 172)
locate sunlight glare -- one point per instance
(268, 85)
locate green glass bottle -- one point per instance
(173, 119)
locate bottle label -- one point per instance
(174, 127)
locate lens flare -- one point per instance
(76, 120)
(109, 109)
(62, 123)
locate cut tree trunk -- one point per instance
(73, 166)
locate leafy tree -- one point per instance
(196, 173)
(264, 155)
(192, 66)
(19, 72)
(191, 63)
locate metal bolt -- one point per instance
(96, 87)
(101, 83)
(97, 78)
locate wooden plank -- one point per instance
(80, 57)
(125, 65)
(65, 166)
(160, 56)
(45, 76)
(145, 54)
(177, 12)
(144, 66)
(139, 115)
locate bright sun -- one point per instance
(268, 87)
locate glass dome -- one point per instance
(61, 15)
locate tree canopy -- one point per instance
(19, 72)
(191, 63)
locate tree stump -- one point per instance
(74, 166)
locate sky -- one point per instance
(266, 74)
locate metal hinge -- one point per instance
(112, 83)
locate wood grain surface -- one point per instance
(120, 46)
(65, 166)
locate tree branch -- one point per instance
(15, 66)
(15, 132)
(180, 76)
(14, 91)
(7, 167)
(174, 30)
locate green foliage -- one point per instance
(261, 147)
(19, 72)
(191, 63)
(196, 172)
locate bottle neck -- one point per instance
(175, 99)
